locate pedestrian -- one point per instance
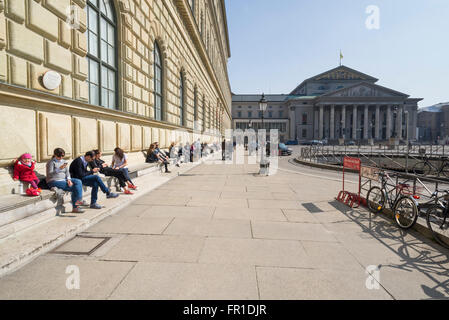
(58, 176)
(120, 162)
(24, 172)
(97, 162)
(78, 170)
(174, 153)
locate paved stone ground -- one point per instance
(222, 232)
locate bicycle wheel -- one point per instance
(445, 170)
(375, 200)
(422, 168)
(405, 212)
(436, 224)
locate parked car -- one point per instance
(351, 143)
(317, 143)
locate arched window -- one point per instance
(157, 83)
(101, 56)
(181, 100)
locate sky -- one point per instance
(276, 44)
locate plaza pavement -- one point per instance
(223, 232)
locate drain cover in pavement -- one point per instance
(81, 245)
(311, 208)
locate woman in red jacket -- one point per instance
(24, 171)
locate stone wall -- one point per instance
(37, 36)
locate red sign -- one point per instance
(352, 163)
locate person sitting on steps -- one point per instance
(78, 170)
(108, 171)
(120, 163)
(154, 156)
(58, 176)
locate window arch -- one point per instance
(102, 53)
(181, 100)
(158, 69)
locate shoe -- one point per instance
(178, 165)
(128, 192)
(77, 210)
(112, 195)
(168, 171)
(82, 203)
(131, 186)
(95, 206)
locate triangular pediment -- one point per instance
(343, 73)
(366, 90)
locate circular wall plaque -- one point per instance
(51, 80)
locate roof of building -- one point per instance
(434, 108)
(257, 97)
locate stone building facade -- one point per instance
(433, 123)
(131, 72)
(344, 103)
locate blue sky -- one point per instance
(275, 45)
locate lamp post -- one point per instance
(264, 164)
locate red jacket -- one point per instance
(23, 172)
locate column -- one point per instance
(354, 123)
(343, 124)
(376, 132)
(388, 111)
(365, 123)
(321, 123)
(292, 123)
(399, 122)
(316, 131)
(332, 122)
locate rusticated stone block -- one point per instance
(42, 21)
(155, 134)
(80, 67)
(108, 136)
(136, 138)
(15, 10)
(3, 66)
(57, 57)
(24, 42)
(81, 90)
(85, 134)
(2, 31)
(14, 139)
(79, 43)
(146, 138)
(65, 34)
(58, 7)
(124, 136)
(67, 87)
(55, 131)
(18, 71)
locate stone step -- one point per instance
(42, 232)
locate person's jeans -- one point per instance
(76, 189)
(94, 181)
(126, 174)
(108, 172)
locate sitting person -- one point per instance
(24, 171)
(174, 153)
(108, 171)
(120, 162)
(154, 156)
(58, 176)
(78, 170)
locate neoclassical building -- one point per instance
(341, 103)
(86, 74)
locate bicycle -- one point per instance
(404, 206)
(437, 220)
(424, 168)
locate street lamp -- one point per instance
(264, 164)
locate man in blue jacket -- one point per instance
(78, 170)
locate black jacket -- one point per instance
(77, 169)
(97, 164)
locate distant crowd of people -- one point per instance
(85, 170)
